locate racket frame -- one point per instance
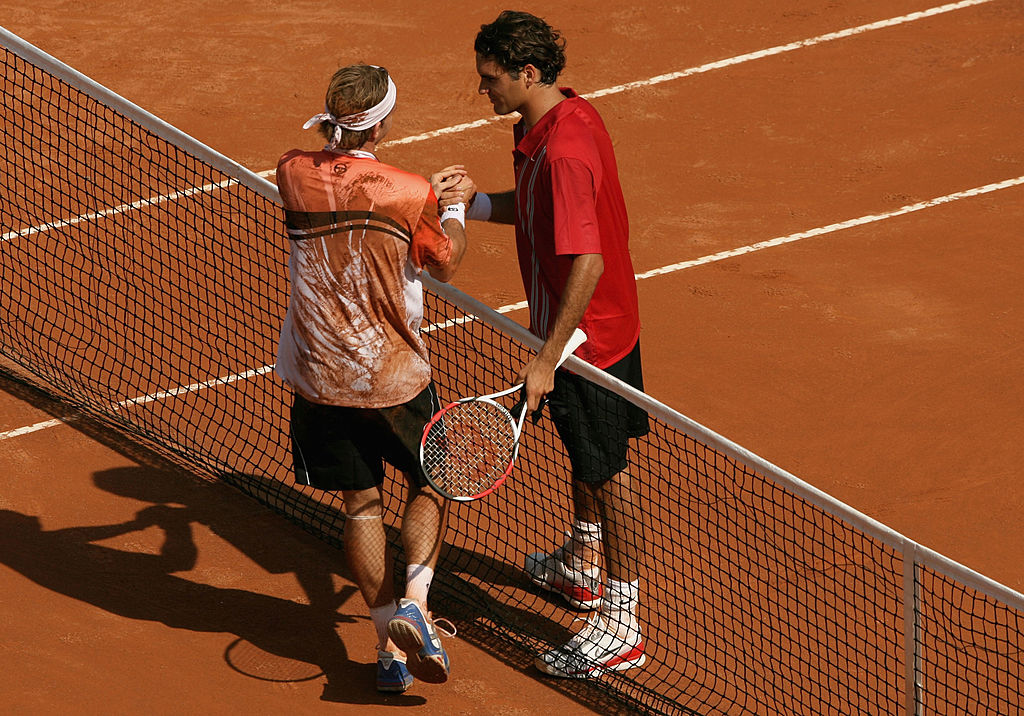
(577, 339)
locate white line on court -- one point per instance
(672, 268)
(831, 228)
(33, 428)
(779, 49)
(738, 59)
(617, 89)
(140, 204)
(143, 399)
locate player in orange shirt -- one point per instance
(360, 233)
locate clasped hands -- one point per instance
(453, 185)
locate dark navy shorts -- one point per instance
(594, 423)
(341, 448)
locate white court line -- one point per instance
(141, 204)
(617, 89)
(143, 399)
(780, 49)
(509, 308)
(33, 428)
(738, 59)
(455, 129)
(194, 388)
(831, 228)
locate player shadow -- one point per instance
(145, 586)
(512, 633)
(142, 586)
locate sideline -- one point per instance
(617, 89)
(717, 65)
(509, 308)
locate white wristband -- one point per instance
(480, 209)
(454, 211)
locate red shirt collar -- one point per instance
(536, 138)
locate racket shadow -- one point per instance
(452, 593)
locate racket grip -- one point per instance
(577, 339)
(535, 415)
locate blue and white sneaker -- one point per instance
(415, 634)
(392, 674)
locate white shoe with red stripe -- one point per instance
(583, 590)
(596, 649)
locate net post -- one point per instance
(910, 628)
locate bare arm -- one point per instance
(453, 185)
(457, 234)
(503, 204)
(503, 210)
(539, 373)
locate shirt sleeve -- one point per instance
(284, 179)
(574, 207)
(430, 245)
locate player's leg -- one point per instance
(596, 427)
(621, 513)
(370, 562)
(423, 526)
(367, 550)
(585, 538)
(621, 523)
(412, 628)
(611, 640)
(423, 523)
(335, 449)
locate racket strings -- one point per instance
(469, 448)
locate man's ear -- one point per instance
(375, 134)
(531, 75)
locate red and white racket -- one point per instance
(469, 446)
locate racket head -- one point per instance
(468, 448)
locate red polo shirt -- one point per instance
(569, 202)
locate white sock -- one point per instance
(381, 616)
(583, 535)
(619, 607)
(417, 582)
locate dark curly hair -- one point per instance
(518, 39)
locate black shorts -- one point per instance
(339, 448)
(596, 424)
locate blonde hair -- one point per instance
(353, 89)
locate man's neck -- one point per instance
(543, 98)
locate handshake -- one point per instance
(457, 196)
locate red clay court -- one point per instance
(826, 218)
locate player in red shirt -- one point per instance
(572, 236)
(360, 232)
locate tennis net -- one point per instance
(144, 282)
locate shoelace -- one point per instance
(591, 622)
(444, 626)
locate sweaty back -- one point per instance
(360, 232)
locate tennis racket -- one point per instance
(469, 446)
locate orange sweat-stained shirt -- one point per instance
(360, 232)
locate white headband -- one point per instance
(359, 121)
